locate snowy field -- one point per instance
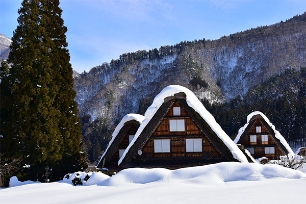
(217, 183)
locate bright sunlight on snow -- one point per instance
(217, 183)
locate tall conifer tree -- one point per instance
(44, 127)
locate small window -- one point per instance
(253, 139)
(251, 150)
(176, 111)
(177, 125)
(131, 137)
(194, 145)
(269, 150)
(258, 129)
(162, 145)
(121, 152)
(264, 139)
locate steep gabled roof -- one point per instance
(119, 133)
(279, 139)
(206, 122)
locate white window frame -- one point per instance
(264, 139)
(176, 111)
(253, 139)
(162, 146)
(269, 150)
(131, 137)
(121, 151)
(258, 129)
(194, 145)
(177, 125)
(251, 150)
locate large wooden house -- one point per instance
(121, 137)
(178, 132)
(261, 138)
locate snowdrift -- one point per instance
(210, 174)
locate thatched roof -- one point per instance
(278, 138)
(118, 135)
(191, 104)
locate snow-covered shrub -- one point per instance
(293, 162)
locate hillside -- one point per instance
(4, 47)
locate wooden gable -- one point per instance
(259, 139)
(177, 136)
(120, 143)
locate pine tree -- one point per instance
(44, 124)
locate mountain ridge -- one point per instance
(227, 65)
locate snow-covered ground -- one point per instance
(217, 183)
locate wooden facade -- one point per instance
(259, 139)
(113, 153)
(176, 136)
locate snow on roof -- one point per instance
(126, 118)
(277, 134)
(194, 103)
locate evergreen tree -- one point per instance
(44, 124)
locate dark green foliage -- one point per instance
(43, 127)
(96, 136)
(198, 82)
(282, 99)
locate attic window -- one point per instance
(177, 125)
(176, 111)
(253, 139)
(121, 152)
(194, 145)
(161, 146)
(258, 129)
(269, 150)
(131, 137)
(264, 139)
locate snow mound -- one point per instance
(214, 174)
(15, 182)
(210, 174)
(94, 178)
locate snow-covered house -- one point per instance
(261, 139)
(177, 132)
(121, 137)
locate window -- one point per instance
(162, 145)
(269, 150)
(258, 129)
(177, 125)
(264, 139)
(176, 111)
(121, 152)
(194, 145)
(131, 137)
(253, 139)
(251, 150)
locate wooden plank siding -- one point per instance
(259, 146)
(178, 139)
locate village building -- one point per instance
(179, 132)
(261, 138)
(121, 137)
(301, 151)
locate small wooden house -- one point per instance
(178, 132)
(301, 151)
(261, 138)
(121, 137)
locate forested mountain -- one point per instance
(4, 47)
(243, 66)
(260, 69)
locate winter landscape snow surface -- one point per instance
(230, 182)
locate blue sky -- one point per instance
(101, 30)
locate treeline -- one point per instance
(281, 98)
